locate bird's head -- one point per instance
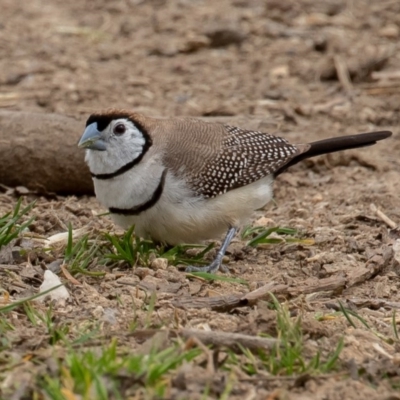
(113, 138)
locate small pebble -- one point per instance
(159, 263)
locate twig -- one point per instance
(7, 267)
(373, 267)
(226, 303)
(228, 339)
(68, 275)
(380, 214)
(373, 304)
(209, 354)
(216, 303)
(386, 75)
(343, 73)
(293, 377)
(333, 283)
(214, 338)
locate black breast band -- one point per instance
(136, 210)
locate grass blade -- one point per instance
(213, 277)
(346, 314)
(17, 303)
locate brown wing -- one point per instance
(220, 158)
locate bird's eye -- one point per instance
(119, 129)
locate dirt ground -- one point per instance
(310, 70)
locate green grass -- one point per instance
(133, 250)
(257, 235)
(12, 224)
(95, 374)
(352, 317)
(356, 321)
(79, 257)
(289, 356)
(136, 251)
(22, 302)
(214, 277)
(85, 253)
(111, 250)
(5, 327)
(87, 364)
(54, 331)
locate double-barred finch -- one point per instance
(182, 180)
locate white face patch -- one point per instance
(125, 145)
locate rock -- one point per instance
(51, 280)
(194, 43)
(390, 31)
(159, 263)
(221, 37)
(282, 71)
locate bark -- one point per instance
(39, 151)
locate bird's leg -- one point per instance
(217, 263)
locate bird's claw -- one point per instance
(211, 268)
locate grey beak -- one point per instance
(91, 139)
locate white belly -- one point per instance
(178, 217)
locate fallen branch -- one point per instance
(226, 303)
(230, 340)
(332, 284)
(373, 304)
(373, 267)
(39, 151)
(380, 214)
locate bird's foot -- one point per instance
(217, 263)
(211, 268)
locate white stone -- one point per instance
(159, 263)
(51, 280)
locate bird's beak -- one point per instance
(91, 138)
